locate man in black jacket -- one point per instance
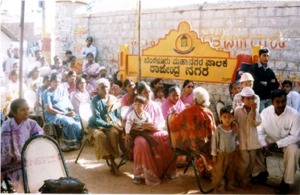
(265, 80)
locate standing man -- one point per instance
(88, 49)
(280, 128)
(265, 80)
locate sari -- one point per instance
(194, 128)
(127, 100)
(168, 107)
(91, 69)
(71, 127)
(13, 138)
(103, 135)
(78, 97)
(144, 162)
(187, 99)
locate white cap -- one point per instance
(246, 77)
(247, 92)
(102, 68)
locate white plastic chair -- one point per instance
(30, 97)
(218, 105)
(42, 159)
(85, 114)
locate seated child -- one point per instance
(224, 144)
(136, 119)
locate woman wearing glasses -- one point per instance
(187, 93)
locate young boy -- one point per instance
(245, 81)
(248, 119)
(134, 125)
(224, 144)
(293, 97)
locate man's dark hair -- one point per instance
(277, 93)
(287, 82)
(263, 50)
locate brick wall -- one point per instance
(233, 27)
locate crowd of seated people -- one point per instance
(62, 92)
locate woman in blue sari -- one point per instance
(58, 110)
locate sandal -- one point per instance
(136, 180)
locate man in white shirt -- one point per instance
(280, 128)
(89, 49)
(293, 97)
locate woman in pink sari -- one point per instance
(144, 162)
(172, 104)
(15, 132)
(187, 93)
(92, 71)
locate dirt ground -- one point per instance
(98, 179)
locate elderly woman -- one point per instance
(197, 125)
(92, 71)
(172, 104)
(104, 122)
(187, 92)
(144, 162)
(80, 95)
(15, 132)
(58, 110)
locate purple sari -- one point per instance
(13, 138)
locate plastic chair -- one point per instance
(30, 97)
(177, 151)
(41, 159)
(85, 114)
(218, 105)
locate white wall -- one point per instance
(229, 26)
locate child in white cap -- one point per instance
(245, 81)
(248, 119)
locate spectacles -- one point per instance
(190, 86)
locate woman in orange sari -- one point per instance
(195, 126)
